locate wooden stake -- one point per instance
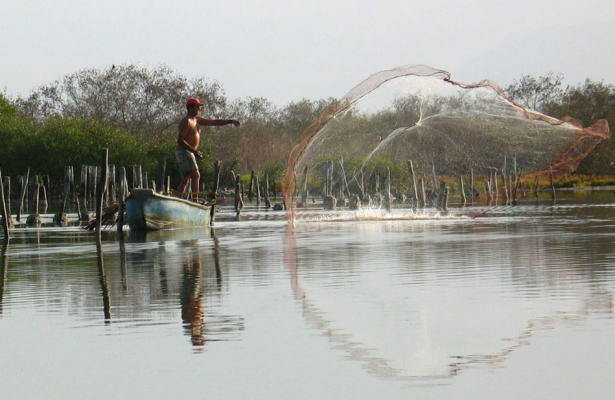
(120, 209)
(212, 213)
(5, 216)
(101, 189)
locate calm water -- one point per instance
(516, 304)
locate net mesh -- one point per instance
(417, 113)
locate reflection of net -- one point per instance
(417, 113)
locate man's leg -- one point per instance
(183, 185)
(195, 176)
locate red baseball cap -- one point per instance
(193, 102)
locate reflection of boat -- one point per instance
(148, 210)
(169, 235)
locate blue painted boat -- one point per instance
(147, 210)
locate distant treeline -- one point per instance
(134, 111)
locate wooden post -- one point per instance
(162, 168)
(266, 191)
(7, 186)
(37, 188)
(5, 216)
(24, 188)
(445, 200)
(304, 192)
(505, 189)
(423, 198)
(120, 208)
(212, 213)
(552, 184)
(257, 190)
(66, 187)
(101, 189)
(325, 178)
(415, 194)
(250, 193)
(331, 170)
(344, 179)
(168, 185)
(389, 198)
(238, 199)
(513, 189)
(462, 191)
(472, 185)
(84, 186)
(440, 198)
(111, 189)
(495, 183)
(140, 176)
(34, 219)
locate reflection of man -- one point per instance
(192, 307)
(188, 138)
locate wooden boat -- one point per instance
(148, 210)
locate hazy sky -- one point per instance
(288, 50)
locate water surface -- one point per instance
(517, 303)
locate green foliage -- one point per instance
(587, 103)
(536, 93)
(578, 180)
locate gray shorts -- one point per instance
(186, 160)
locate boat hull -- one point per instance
(147, 210)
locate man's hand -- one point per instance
(235, 122)
(198, 154)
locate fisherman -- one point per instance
(188, 138)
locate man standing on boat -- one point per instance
(188, 138)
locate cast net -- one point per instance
(446, 129)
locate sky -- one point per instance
(289, 50)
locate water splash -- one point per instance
(376, 214)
